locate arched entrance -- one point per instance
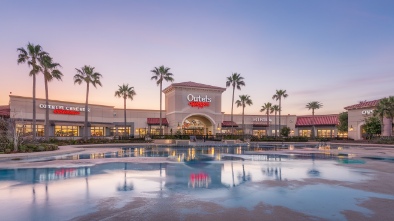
(198, 124)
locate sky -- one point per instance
(333, 51)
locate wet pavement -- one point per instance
(204, 183)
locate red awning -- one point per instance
(156, 121)
(229, 124)
(320, 120)
(5, 111)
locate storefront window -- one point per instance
(27, 129)
(304, 133)
(342, 134)
(141, 132)
(273, 132)
(325, 133)
(155, 131)
(119, 131)
(66, 131)
(97, 131)
(259, 133)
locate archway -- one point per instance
(198, 124)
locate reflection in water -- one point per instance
(63, 193)
(126, 186)
(199, 180)
(275, 172)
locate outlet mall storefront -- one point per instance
(190, 108)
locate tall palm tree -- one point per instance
(30, 56)
(278, 96)
(125, 92)
(50, 71)
(313, 105)
(385, 108)
(88, 75)
(275, 109)
(236, 81)
(267, 108)
(242, 102)
(159, 74)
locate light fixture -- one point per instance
(351, 128)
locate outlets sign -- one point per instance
(198, 101)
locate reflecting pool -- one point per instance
(231, 181)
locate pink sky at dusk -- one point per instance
(335, 52)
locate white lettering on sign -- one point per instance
(260, 119)
(366, 112)
(191, 97)
(60, 107)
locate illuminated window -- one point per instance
(97, 131)
(342, 134)
(141, 131)
(66, 131)
(27, 129)
(304, 133)
(259, 133)
(273, 132)
(325, 133)
(119, 131)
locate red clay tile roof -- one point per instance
(229, 123)
(364, 104)
(156, 121)
(5, 110)
(195, 85)
(320, 120)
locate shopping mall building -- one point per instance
(190, 108)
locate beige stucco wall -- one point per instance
(22, 108)
(356, 120)
(178, 109)
(288, 120)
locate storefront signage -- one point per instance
(68, 112)
(61, 107)
(261, 119)
(367, 112)
(198, 101)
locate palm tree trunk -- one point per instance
(34, 107)
(268, 116)
(243, 125)
(85, 133)
(232, 108)
(125, 134)
(161, 85)
(46, 111)
(313, 123)
(275, 125)
(280, 110)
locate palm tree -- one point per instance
(87, 74)
(30, 56)
(275, 108)
(313, 105)
(243, 101)
(50, 71)
(160, 74)
(278, 96)
(385, 108)
(125, 92)
(267, 108)
(236, 81)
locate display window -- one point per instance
(66, 131)
(27, 129)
